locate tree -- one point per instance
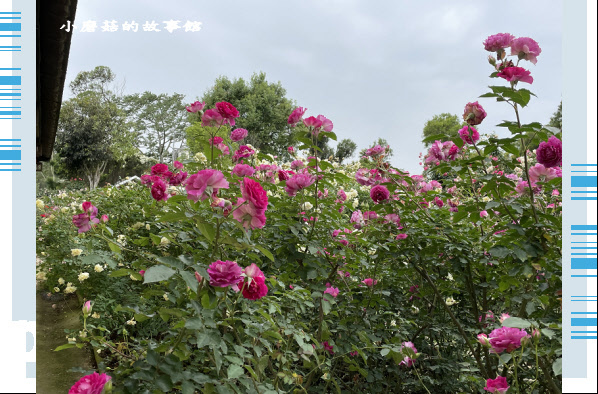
(159, 121)
(345, 149)
(92, 129)
(446, 124)
(557, 118)
(264, 110)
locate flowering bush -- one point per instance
(307, 276)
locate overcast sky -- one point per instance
(375, 68)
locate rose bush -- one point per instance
(308, 276)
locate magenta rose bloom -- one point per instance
(248, 215)
(159, 191)
(227, 111)
(526, 48)
(550, 153)
(469, 135)
(296, 116)
(516, 74)
(497, 386)
(178, 178)
(224, 273)
(195, 107)
(84, 220)
(442, 151)
(216, 140)
(159, 169)
(498, 42)
(379, 194)
(205, 184)
(298, 182)
(90, 384)
(238, 134)
(212, 118)
(506, 338)
(313, 122)
(254, 193)
(254, 289)
(474, 114)
(243, 170)
(333, 291)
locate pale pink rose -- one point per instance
(526, 48)
(243, 170)
(484, 214)
(298, 182)
(248, 215)
(205, 184)
(195, 107)
(238, 134)
(539, 173)
(506, 338)
(498, 42)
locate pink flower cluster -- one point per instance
(205, 184)
(85, 220)
(333, 291)
(160, 177)
(367, 177)
(243, 152)
(316, 124)
(442, 152)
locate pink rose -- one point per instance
(178, 165)
(357, 219)
(227, 111)
(474, 114)
(550, 153)
(312, 122)
(328, 347)
(516, 74)
(159, 169)
(506, 338)
(484, 214)
(177, 178)
(497, 386)
(333, 291)
(238, 134)
(526, 48)
(248, 215)
(105, 218)
(254, 193)
(142, 272)
(212, 118)
(483, 338)
(369, 282)
(224, 274)
(195, 107)
(243, 152)
(469, 135)
(498, 42)
(408, 349)
(243, 170)
(205, 184)
(379, 194)
(159, 191)
(539, 173)
(298, 182)
(255, 289)
(296, 116)
(291, 150)
(90, 384)
(402, 236)
(215, 140)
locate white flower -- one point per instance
(98, 268)
(355, 203)
(132, 277)
(39, 204)
(164, 241)
(147, 226)
(71, 340)
(57, 290)
(83, 334)
(83, 276)
(95, 315)
(269, 193)
(131, 322)
(76, 252)
(165, 296)
(70, 289)
(41, 276)
(306, 206)
(121, 239)
(64, 209)
(486, 199)
(450, 301)
(414, 309)
(137, 226)
(393, 323)
(200, 157)
(450, 277)
(60, 281)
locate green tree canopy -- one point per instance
(159, 121)
(557, 118)
(345, 149)
(381, 142)
(92, 128)
(445, 124)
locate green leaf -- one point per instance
(190, 280)
(235, 371)
(164, 383)
(207, 230)
(120, 272)
(157, 273)
(548, 332)
(384, 352)
(516, 322)
(557, 366)
(266, 252)
(114, 247)
(65, 346)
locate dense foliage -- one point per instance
(234, 272)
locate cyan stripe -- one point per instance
(10, 27)
(584, 322)
(584, 181)
(10, 80)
